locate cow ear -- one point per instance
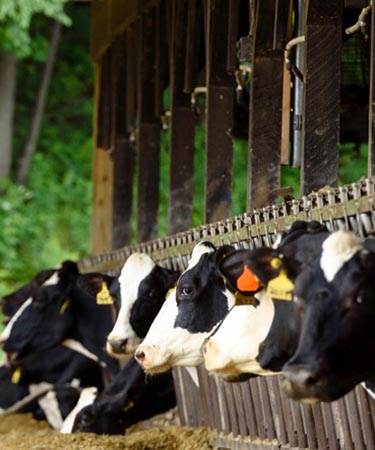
(222, 252)
(97, 285)
(247, 270)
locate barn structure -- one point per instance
(270, 71)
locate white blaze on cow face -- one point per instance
(8, 329)
(53, 279)
(233, 349)
(338, 248)
(167, 345)
(135, 269)
(87, 397)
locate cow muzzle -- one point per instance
(121, 346)
(303, 383)
(152, 358)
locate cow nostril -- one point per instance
(118, 345)
(140, 356)
(311, 379)
(301, 376)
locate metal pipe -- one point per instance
(298, 90)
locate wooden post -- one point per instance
(182, 129)
(266, 101)
(149, 134)
(219, 122)
(319, 162)
(123, 158)
(371, 124)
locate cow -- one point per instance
(143, 287)
(190, 313)
(44, 400)
(261, 334)
(335, 298)
(129, 398)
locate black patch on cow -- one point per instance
(337, 341)
(128, 399)
(200, 296)
(150, 298)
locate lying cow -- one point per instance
(260, 335)
(190, 313)
(129, 398)
(63, 313)
(335, 299)
(143, 287)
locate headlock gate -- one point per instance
(255, 414)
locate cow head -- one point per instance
(261, 334)
(11, 303)
(31, 329)
(189, 314)
(143, 287)
(336, 303)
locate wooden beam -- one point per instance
(319, 162)
(182, 129)
(219, 117)
(148, 134)
(266, 101)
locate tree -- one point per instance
(16, 43)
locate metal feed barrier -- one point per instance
(255, 414)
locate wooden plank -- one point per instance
(179, 389)
(161, 58)
(319, 162)
(258, 412)
(101, 226)
(148, 135)
(371, 127)
(249, 409)
(365, 413)
(193, 44)
(282, 418)
(266, 405)
(181, 185)
(105, 103)
(353, 418)
(266, 101)
(123, 158)
(308, 420)
(333, 442)
(219, 118)
(319, 427)
(233, 27)
(342, 424)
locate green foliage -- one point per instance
(48, 219)
(15, 20)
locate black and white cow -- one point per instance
(189, 314)
(129, 398)
(143, 287)
(60, 330)
(335, 298)
(259, 336)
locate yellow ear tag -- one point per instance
(241, 299)
(16, 376)
(64, 306)
(247, 281)
(103, 297)
(280, 287)
(129, 405)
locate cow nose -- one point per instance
(301, 376)
(140, 356)
(117, 345)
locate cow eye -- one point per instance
(362, 298)
(186, 291)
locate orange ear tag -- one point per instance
(103, 297)
(281, 287)
(248, 281)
